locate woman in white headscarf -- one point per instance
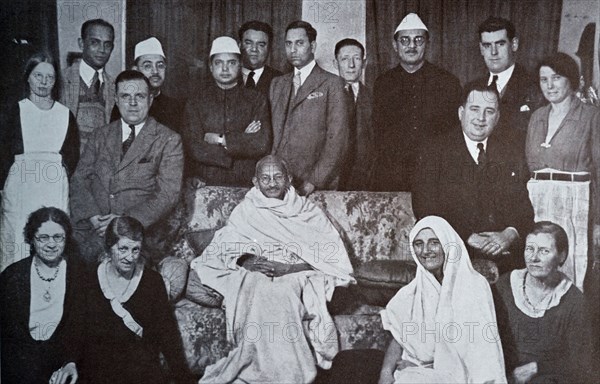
(443, 322)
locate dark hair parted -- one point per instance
(348, 42)
(479, 87)
(123, 226)
(310, 31)
(131, 74)
(564, 65)
(32, 62)
(257, 26)
(85, 27)
(561, 239)
(43, 215)
(493, 24)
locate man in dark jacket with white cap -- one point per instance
(150, 59)
(412, 103)
(227, 127)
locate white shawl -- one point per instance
(449, 327)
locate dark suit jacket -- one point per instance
(24, 360)
(520, 98)
(357, 170)
(144, 185)
(450, 184)
(311, 130)
(165, 109)
(264, 83)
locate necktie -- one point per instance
(494, 83)
(350, 90)
(481, 157)
(95, 85)
(250, 80)
(128, 141)
(297, 82)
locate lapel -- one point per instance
(114, 143)
(108, 94)
(72, 90)
(141, 143)
(282, 101)
(313, 81)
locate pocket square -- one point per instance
(524, 108)
(314, 95)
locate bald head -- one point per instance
(272, 177)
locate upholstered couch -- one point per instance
(374, 226)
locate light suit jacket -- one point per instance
(311, 130)
(69, 92)
(144, 185)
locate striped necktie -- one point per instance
(127, 143)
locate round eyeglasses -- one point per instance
(418, 40)
(57, 238)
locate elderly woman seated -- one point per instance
(129, 318)
(542, 316)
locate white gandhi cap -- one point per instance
(224, 44)
(411, 21)
(149, 46)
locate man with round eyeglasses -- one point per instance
(413, 102)
(150, 59)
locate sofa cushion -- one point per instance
(199, 240)
(174, 272)
(392, 274)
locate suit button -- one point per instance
(111, 196)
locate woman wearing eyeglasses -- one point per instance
(129, 318)
(42, 305)
(39, 149)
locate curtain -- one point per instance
(186, 28)
(453, 27)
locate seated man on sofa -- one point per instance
(276, 263)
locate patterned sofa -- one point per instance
(375, 228)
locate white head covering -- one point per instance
(224, 44)
(452, 325)
(411, 21)
(149, 46)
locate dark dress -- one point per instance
(560, 341)
(114, 354)
(25, 360)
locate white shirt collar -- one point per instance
(305, 71)
(503, 77)
(87, 73)
(472, 146)
(257, 73)
(125, 130)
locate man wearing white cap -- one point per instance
(412, 103)
(311, 114)
(150, 59)
(227, 127)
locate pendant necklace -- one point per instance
(47, 296)
(527, 298)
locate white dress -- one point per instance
(37, 177)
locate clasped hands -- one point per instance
(265, 266)
(493, 243)
(215, 138)
(66, 374)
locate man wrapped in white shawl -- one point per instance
(276, 263)
(444, 321)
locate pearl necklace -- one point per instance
(527, 298)
(47, 296)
